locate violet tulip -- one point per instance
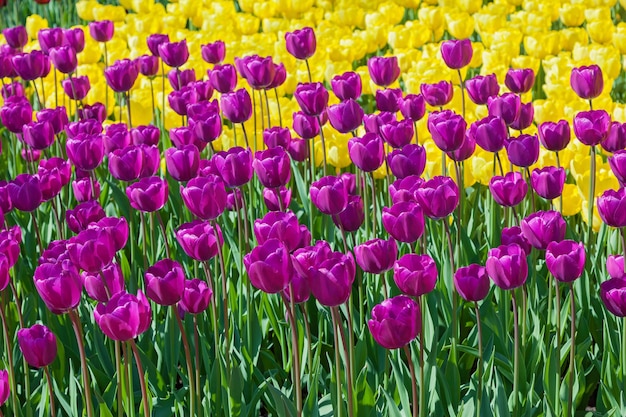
(76, 88)
(272, 167)
(121, 76)
(101, 31)
(80, 217)
(367, 152)
(507, 106)
(523, 150)
(519, 81)
(165, 282)
(395, 322)
(276, 198)
(616, 138)
(125, 164)
(182, 163)
(388, 99)
(346, 116)
(16, 37)
(617, 162)
(347, 86)
(38, 135)
(404, 221)
(514, 235)
(415, 275)
(397, 133)
(278, 225)
(196, 296)
(199, 240)
(59, 286)
(269, 266)
(25, 192)
(507, 266)
(174, 54)
(587, 82)
(329, 194)
(237, 106)
(312, 98)
(351, 219)
(611, 207)
(101, 286)
(213, 53)
(592, 127)
(205, 197)
(64, 59)
(565, 260)
(277, 136)
(447, 129)
(548, 182)
(555, 136)
(438, 197)
(124, 317)
(85, 151)
(307, 127)
(223, 78)
(413, 107)
(383, 71)
(542, 227)
(481, 88)
(509, 190)
(437, 94)
(377, 255)
(331, 278)
(234, 166)
(472, 282)
(457, 53)
(301, 43)
(613, 295)
(148, 194)
(38, 345)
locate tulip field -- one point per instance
(313, 208)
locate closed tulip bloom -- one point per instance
(6, 64)
(383, 71)
(269, 266)
(404, 221)
(438, 197)
(148, 194)
(377, 255)
(298, 149)
(388, 99)
(97, 112)
(507, 266)
(276, 198)
(509, 190)
(84, 190)
(10, 241)
(565, 260)
(179, 79)
(121, 76)
(196, 296)
(124, 317)
(213, 53)
(525, 118)
(116, 227)
(165, 282)
(280, 76)
(481, 88)
(278, 225)
(312, 98)
(373, 122)
(617, 162)
(199, 240)
(258, 71)
(25, 192)
(74, 37)
(153, 41)
(50, 183)
(548, 182)
(331, 278)
(85, 151)
(148, 65)
(205, 197)
(56, 252)
(272, 167)
(16, 37)
(91, 250)
(592, 127)
(413, 107)
(102, 285)
(182, 163)
(615, 266)
(329, 194)
(57, 117)
(301, 43)
(101, 31)
(465, 151)
(12, 89)
(38, 345)
(367, 152)
(59, 286)
(507, 106)
(514, 235)
(307, 127)
(5, 388)
(145, 135)
(305, 259)
(38, 135)
(234, 166)
(457, 53)
(347, 86)
(472, 282)
(223, 78)
(277, 136)
(616, 138)
(402, 190)
(611, 207)
(29, 66)
(447, 129)
(346, 116)
(555, 136)
(397, 133)
(64, 59)
(415, 275)
(437, 94)
(5, 277)
(15, 116)
(351, 219)
(208, 129)
(125, 164)
(183, 136)
(587, 82)
(523, 150)
(237, 106)
(50, 38)
(613, 295)
(76, 88)
(79, 218)
(542, 227)
(519, 81)
(181, 99)
(174, 54)
(395, 322)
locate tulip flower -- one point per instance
(397, 133)
(213, 53)
(312, 98)
(514, 235)
(182, 163)
(116, 137)
(5, 388)
(101, 286)
(124, 317)
(388, 99)
(481, 88)
(307, 127)
(384, 71)
(437, 94)
(38, 345)
(74, 37)
(352, 217)
(148, 194)
(165, 282)
(404, 221)
(223, 78)
(329, 194)
(301, 43)
(525, 117)
(507, 266)
(413, 107)
(447, 129)
(395, 322)
(565, 260)
(507, 106)
(472, 282)
(234, 166)
(174, 54)
(616, 138)
(272, 167)
(587, 82)
(199, 240)
(542, 227)
(346, 116)
(25, 192)
(101, 31)
(76, 88)
(613, 295)
(612, 207)
(523, 150)
(237, 106)
(205, 197)
(145, 135)
(519, 81)
(457, 53)
(15, 114)
(331, 278)
(64, 59)
(377, 255)
(438, 197)
(29, 66)
(155, 40)
(347, 86)
(367, 152)
(548, 182)
(592, 127)
(59, 286)
(196, 296)
(121, 76)
(125, 164)
(16, 37)
(615, 266)
(617, 162)
(269, 266)
(509, 190)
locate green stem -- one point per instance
(308, 69)
(196, 346)
(190, 374)
(163, 97)
(53, 411)
(142, 379)
(154, 118)
(220, 255)
(557, 400)
(480, 359)
(291, 314)
(337, 365)
(590, 202)
(422, 402)
(118, 375)
(407, 352)
(319, 121)
(280, 116)
(572, 351)
(11, 368)
(462, 84)
(245, 135)
(83, 361)
(515, 356)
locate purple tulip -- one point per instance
(213, 53)
(145, 135)
(5, 388)
(402, 190)
(116, 227)
(388, 99)
(199, 240)
(234, 166)
(181, 99)
(351, 219)
(523, 150)
(91, 250)
(438, 197)
(278, 225)
(64, 59)
(15, 116)
(507, 266)
(548, 182)
(237, 106)
(346, 116)
(13, 89)
(179, 79)
(59, 286)
(347, 86)
(121, 76)
(155, 40)
(275, 198)
(269, 266)
(507, 106)
(415, 275)
(148, 194)
(611, 207)
(102, 285)
(272, 167)
(613, 295)
(592, 127)
(25, 192)
(79, 218)
(125, 164)
(74, 37)
(50, 38)
(472, 282)
(617, 162)
(174, 54)
(376, 256)
(124, 316)
(223, 78)
(616, 138)
(383, 71)
(277, 136)
(519, 81)
(542, 227)
(312, 98)
(457, 53)
(437, 94)
(196, 296)
(85, 151)
(301, 43)
(148, 65)
(481, 88)
(525, 118)
(258, 71)
(205, 197)
(615, 266)
(29, 66)
(97, 112)
(447, 129)
(397, 133)
(76, 88)
(329, 194)
(565, 260)
(367, 152)
(554, 136)
(307, 127)
(84, 190)
(331, 278)
(38, 135)
(101, 31)
(38, 345)
(514, 235)
(395, 322)
(466, 150)
(16, 37)
(413, 107)
(373, 122)
(587, 82)
(165, 282)
(509, 190)
(404, 221)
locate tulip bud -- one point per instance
(395, 322)
(472, 282)
(38, 345)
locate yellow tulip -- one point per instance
(432, 17)
(541, 45)
(596, 220)
(572, 14)
(470, 6)
(460, 25)
(84, 9)
(598, 14)
(598, 31)
(570, 37)
(34, 23)
(572, 201)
